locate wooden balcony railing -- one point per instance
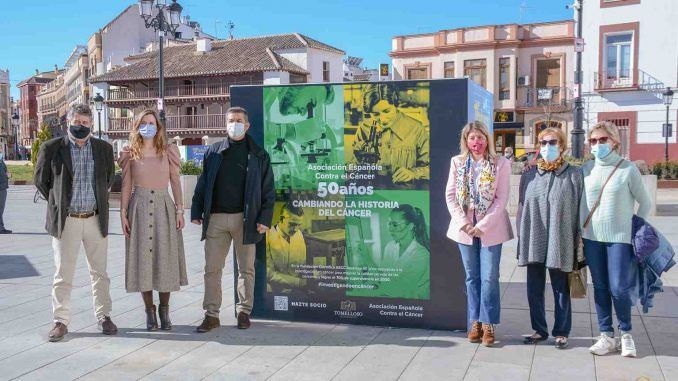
(176, 91)
(175, 123)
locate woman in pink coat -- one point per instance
(477, 192)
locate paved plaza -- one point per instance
(280, 350)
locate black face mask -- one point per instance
(79, 132)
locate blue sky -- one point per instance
(41, 33)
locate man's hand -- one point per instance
(262, 229)
(403, 175)
(197, 222)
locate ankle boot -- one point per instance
(151, 319)
(165, 323)
(476, 332)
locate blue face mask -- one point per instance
(600, 150)
(148, 131)
(550, 152)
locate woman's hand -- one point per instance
(466, 228)
(124, 222)
(475, 232)
(180, 221)
(403, 175)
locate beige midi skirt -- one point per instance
(155, 257)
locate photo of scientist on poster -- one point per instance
(303, 133)
(300, 241)
(391, 248)
(387, 134)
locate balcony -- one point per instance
(626, 79)
(553, 99)
(214, 124)
(174, 93)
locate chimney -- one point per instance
(56, 68)
(204, 45)
(37, 71)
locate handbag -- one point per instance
(577, 279)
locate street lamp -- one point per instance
(668, 99)
(98, 105)
(167, 19)
(15, 125)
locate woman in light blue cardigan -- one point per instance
(606, 229)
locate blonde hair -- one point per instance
(136, 141)
(611, 129)
(480, 127)
(559, 134)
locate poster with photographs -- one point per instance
(360, 220)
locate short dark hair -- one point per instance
(289, 206)
(237, 110)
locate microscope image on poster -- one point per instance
(304, 135)
(387, 134)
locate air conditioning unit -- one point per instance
(524, 80)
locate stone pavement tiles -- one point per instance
(280, 350)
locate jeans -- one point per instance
(481, 265)
(536, 283)
(615, 278)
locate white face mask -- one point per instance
(235, 130)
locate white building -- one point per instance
(529, 68)
(630, 57)
(354, 72)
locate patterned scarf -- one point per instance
(551, 166)
(465, 180)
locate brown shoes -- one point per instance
(58, 332)
(106, 326)
(208, 324)
(243, 320)
(476, 332)
(488, 335)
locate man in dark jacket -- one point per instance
(233, 201)
(74, 174)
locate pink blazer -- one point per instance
(495, 225)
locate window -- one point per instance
(476, 71)
(417, 73)
(618, 58)
(177, 34)
(504, 79)
(326, 71)
(448, 68)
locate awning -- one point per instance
(513, 125)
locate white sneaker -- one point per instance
(628, 347)
(603, 346)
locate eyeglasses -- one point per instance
(394, 224)
(601, 140)
(551, 142)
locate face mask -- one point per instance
(148, 131)
(600, 151)
(79, 132)
(235, 130)
(477, 147)
(550, 152)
